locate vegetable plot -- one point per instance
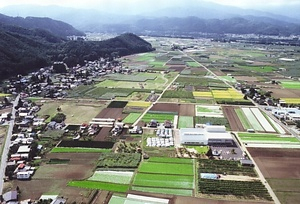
(262, 120)
(252, 119)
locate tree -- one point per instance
(298, 124)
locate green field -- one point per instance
(166, 168)
(186, 122)
(193, 64)
(199, 149)
(131, 118)
(164, 181)
(266, 138)
(158, 117)
(243, 118)
(170, 160)
(112, 177)
(122, 188)
(139, 77)
(290, 84)
(146, 57)
(78, 150)
(182, 192)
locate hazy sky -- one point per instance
(163, 3)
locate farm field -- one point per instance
(291, 100)
(290, 84)
(163, 181)
(267, 138)
(131, 118)
(159, 117)
(182, 192)
(280, 168)
(262, 120)
(166, 168)
(170, 175)
(76, 113)
(227, 94)
(121, 188)
(243, 118)
(202, 94)
(209, 111)
(78, 150)
(252, 120)
(233, 119)
(120, 160)
(120, 177)
(186, 122)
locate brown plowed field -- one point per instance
(234, 121)
(178, 68)
(51, 178)
(284, 93)
(111, 113)
(102, 135)
(186, 110)
(281, 169)
(170, 107)
(277, 163)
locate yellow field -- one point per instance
(230, 93)
(291, 100)
(139, 103)
(3, 94)
(204, 94)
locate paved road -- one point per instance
(158, 98)
(7, 143)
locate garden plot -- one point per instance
(186, 122)
(121, 177)
(268, 138)
(165, 175)
(262, 120)
(209, 111)
(131, 118)
(252, 120)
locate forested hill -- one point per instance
(23, 50)
(58, 28)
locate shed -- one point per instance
(246, 162)
(23, 149)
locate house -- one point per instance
(24, 149)
(153, 124)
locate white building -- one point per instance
(205, 135)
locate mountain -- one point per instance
(193, 25)
(129, 12)
(57, 28)
(24, 50)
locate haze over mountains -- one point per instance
(130, 14)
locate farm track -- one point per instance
(234, 121)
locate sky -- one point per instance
(163, 3)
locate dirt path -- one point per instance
(238, 178)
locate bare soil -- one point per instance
(233, 119)
(178, 68)
(186, 110)
(169, 107)
(103, 134)
(284, 93)
(114, 113)
(277, 163)
(53, 178)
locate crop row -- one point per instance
(170, 160)
(113, 160)
(183, 192)
(158, 117)
(78, 150)
(164, 181)
(238, 188)
(112, 177)
(221, 166)
(166, 168)
(122, 188)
